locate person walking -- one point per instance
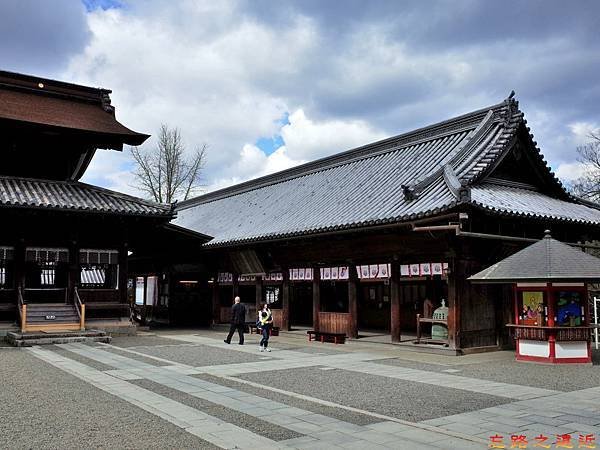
(238, 321)
(265, 318)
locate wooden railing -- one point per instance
(80, 307)
(542, 333)
(22, 309)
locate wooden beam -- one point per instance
(353, 302)
(285, 297)
(395, 330)
(259, 293)
(316, 295)
(216, 304)
(123, 273)
(74, 271)
(236, 285)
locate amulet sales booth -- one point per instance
(551, 318)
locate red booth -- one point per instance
(552, 318)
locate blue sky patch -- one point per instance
(269, 144)
(91, 5)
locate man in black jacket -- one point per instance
(238, 321)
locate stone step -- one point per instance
(40, 320)
(59, 337)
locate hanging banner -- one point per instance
(373, 271)
(423, 269)
(301, 274)
(436, 268)
(415, 270)
(384, 271)
(344, 274)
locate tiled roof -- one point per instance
(547, 259)
(74, 196)
(528, 203)
(406, 177)
(34, 100)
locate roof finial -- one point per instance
(512, 94)
(547, 234)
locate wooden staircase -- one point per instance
(51, 316)
(41, 316)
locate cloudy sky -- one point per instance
(270, 84)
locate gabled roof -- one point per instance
(410, 176)
(39, 101)
(74, 196)
(546, 260)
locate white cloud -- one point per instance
(226, 72)
(571, 171)
(304, 140)
(582, 131)
(307, 139)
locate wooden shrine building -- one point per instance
(64, 243)
(363, 240)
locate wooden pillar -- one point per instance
(457, 288)
(74, 270)
(353, 301)
(285, 301)
(259, 293)
(123, 273)
(236, 285)
(19, 259)
(216, 304)
(316, 295)
(395, 330)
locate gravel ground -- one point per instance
(199, 355)
(565, 377)
(51, 409)
(397, 398)
(258, 426)
(347, 416)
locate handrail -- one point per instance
(22, 309)
(77, 302)
(80, 307)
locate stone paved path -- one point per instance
(532, 411)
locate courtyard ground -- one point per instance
(188, 389)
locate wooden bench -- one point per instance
(274, 331)
(323, 336)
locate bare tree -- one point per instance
(166, 173)
(588, 185)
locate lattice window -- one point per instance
(48, 273)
